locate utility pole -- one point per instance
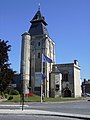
(22, 95)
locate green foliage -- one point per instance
(36, 98)
(15, 92)
(7, 90)
(16, 98)
(2, 94)
(6, 95)
(6, 73)
(10, 97)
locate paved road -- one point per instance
(76, 107)
(39, 111)
(33, 117)
(80, 107)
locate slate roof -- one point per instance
(38, 17)
(38, 24)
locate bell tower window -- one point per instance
(38, 55)
(38, 43)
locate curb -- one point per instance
(43, 113)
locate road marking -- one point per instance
(13, 105)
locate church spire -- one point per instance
(38, 17)
(38, 24)
(39, 7)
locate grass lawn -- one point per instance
(35, 98)
(61, 99)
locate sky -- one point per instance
(68, 26)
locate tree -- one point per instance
(6, 73)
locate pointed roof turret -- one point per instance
(38, 24)
(38, 17)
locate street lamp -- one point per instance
(41, 91)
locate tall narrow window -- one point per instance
(65, 77)
(38, 55)
(38, 43)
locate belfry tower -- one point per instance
(40, 43)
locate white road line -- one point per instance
(13, 105)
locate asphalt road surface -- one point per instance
(79, 107)
(33, 117)
(76, 107)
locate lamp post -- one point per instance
(41, 91)
(22, 94)
(22, 101)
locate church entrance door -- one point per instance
(67, 93)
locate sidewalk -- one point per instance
(1, 100)
(43, 113)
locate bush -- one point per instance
(10, 98)
(2, 94)
(6, 95)
(15, 92)
(8, 90)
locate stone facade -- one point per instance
(31, 54)
(55, 84)
(61, 79)
(41, 44)
(25, 62)
(70, 83)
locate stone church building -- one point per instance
(65, 80)
(35, 43)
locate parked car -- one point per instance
(87, 94)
